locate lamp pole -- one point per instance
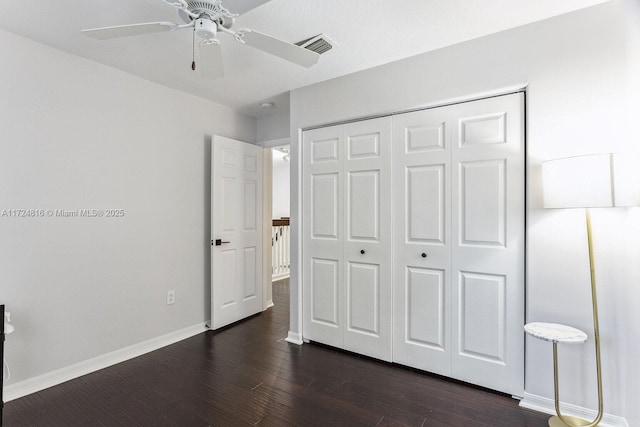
(565, 420)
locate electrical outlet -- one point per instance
(171, 297)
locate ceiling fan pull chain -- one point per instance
(193, 50)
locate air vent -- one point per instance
(318, 44)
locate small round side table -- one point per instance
(556, 332)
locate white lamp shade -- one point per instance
(593, 181)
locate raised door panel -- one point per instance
(481, 316)
(250, 272)
(324, 291)
(424, 305)
(482, 213)
(363, 298)
(483, 129)
(364, 205)
(488, 243)
(364, 146)
(421, 200)
(323, 152)
(230, 192)
(425, 206)
(421, 137)
(250, 205)
(324, 201)
(228, 266)
(367, 244)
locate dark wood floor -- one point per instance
(248, 375)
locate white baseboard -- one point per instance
(279, 277)
(269, 304)
(50, 379)
(294, 338)
(547, 406)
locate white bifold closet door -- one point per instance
(459, 241)
(422, 240)
(446, 294)
(347, 236)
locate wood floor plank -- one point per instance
(34, 411)
(247, 375)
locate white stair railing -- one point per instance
(280, 251)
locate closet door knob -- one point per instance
(362, 251)
(424, 254)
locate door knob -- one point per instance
(218, 242)
(424, 255)
(362, 251)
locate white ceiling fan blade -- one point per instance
(211, 61)
(290, 52)
(106, 33)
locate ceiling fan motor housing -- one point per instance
(207, 9)
(206, 28)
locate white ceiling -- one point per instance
(367, 32)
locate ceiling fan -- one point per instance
(208, 18)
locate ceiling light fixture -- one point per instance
(267, 105)
(285, 151)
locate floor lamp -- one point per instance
(593, 181)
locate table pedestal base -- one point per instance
(573, 421)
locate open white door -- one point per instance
(236, 231)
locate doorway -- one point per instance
(280, 213)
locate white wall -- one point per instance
(273, 126)
(628, 281)
(79, 135)
(281, 186)
(581, 71)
